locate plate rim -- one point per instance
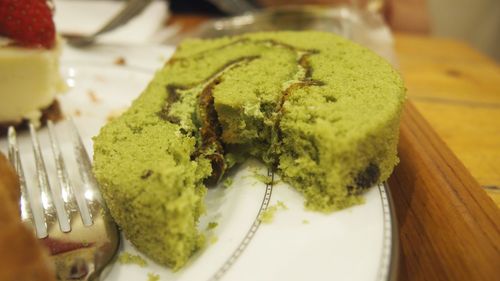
(392, 269)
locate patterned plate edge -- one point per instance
(249, 235)
(388, 270)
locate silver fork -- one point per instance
(70, 219)
(131, 9)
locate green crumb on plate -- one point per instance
(228, 182)
(268, 215)
(305, 221)
(263, 179)
(153, 277)
(282, 205)
(211, 225)
(213, 239)
(128, 258)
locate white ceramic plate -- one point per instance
(354, 244)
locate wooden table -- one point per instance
(457, 90)
(449, 227)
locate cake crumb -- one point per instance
(211, 225)
(227, 182)
(264, 179)
(100, 78)
(153, 277)
(77, 113)
(267, 216)
(120, 61)
(281, 205)
(128, 258)
(213, 239)
(93, 97)
(305, 221)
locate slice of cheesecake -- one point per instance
(29, 64)
(30, 80)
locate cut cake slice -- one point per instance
(320, 110)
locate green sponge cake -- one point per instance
(318, 109)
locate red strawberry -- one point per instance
(28, 22)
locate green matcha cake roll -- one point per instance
(321, 111)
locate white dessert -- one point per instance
(29, 81)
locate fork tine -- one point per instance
(51, 196)
(68, 190)
(62, 173)
(92, 246)
(32, 212)
(14, 161)
(85, 168)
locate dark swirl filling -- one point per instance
(210, 143)
(210, 130)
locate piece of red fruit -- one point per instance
(27, 22)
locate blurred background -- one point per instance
(474, 21)
(446, 50)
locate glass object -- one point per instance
(364, 27)
(237, 7)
